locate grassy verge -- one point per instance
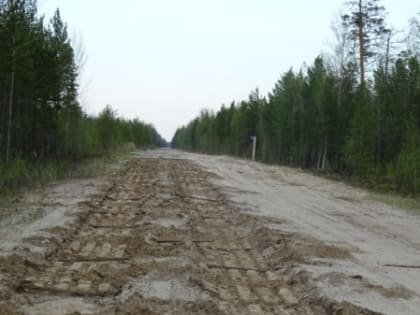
(377, 190)
(409, 203)
(20, 174)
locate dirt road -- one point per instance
(178, 233)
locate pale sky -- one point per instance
(164, 60)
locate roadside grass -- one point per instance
(409, 203)
(379, 191)
(20, 174)
(383, 191)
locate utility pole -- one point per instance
(254, 146)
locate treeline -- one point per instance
(328, 116)
(41, 120)
(108, 131)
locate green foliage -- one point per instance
(407, 168)
(366, 26)
(360, 146)
(323, 121)
(42, 124)
(16, 174)
(107, 127)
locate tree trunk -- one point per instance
(12, 88)
(2, 121)
(9, 126)
(379, 144)
(324, 158)
(361, 43)
(319, 158)
(387, 58)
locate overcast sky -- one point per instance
(164, 60)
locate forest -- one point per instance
(355, 111)
(41, 119)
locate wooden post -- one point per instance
(254, 146)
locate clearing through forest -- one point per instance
(181, 233)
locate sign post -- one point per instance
(254, 146)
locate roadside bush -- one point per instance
(15, 174)
(407, 171)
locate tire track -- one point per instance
(162, 239)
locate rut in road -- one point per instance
(163, 240)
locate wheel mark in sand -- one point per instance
(243, 259)
(89, 254)
(83, 289)
(119, 240)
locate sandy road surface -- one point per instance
(178, 233)
(378, 237)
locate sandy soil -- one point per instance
(178, 233)
(384, 242)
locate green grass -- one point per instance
(20, 173)
(409, 203)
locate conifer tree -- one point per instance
(366, 22)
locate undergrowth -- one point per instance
(20, 173)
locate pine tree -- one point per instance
(360, 145)
(366, 23)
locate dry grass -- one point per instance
(395, 200)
